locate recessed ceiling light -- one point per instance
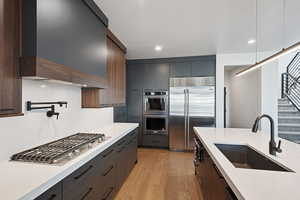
(251, 41)
(158, 48)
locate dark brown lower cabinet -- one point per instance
(211, 181)
(100, 178)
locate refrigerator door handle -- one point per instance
(185, 118)
(188, 119)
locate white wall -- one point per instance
(269, 84)
(243, 97)
(222, 61)
(35, 128)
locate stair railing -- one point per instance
(290, 82)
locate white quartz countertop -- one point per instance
(250, 184)
(26, 181)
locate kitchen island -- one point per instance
(253, 184)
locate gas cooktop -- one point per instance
(62, 150)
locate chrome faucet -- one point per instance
(272, 144)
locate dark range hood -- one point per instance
(64, 40)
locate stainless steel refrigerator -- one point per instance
(192, 103)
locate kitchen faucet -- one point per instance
(272, 144)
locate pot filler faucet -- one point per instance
(272, 144)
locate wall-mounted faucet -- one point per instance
(272, 144)
(51, 112)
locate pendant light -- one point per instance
(275, 56)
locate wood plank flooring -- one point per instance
(161, 175)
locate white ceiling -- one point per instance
(199, 27)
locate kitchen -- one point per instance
(149, 99)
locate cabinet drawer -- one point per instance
(54, 193)
(109, 194)
(132, 134)
(107, 158)
(156, 141)
(79, 185)
(120, 144)
(108, 180)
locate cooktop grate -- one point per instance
(58, 150)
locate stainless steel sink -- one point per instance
(243, 156)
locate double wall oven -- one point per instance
(156, 112)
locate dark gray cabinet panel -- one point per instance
(205, 67)
(68, 32)
(54, 193)
(135, 109)
(136, 76)
(200, 66)
(156, 76)
(161, 141)
(120, 114)
(135, 105)
(181, 69)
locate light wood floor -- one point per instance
(161, 175)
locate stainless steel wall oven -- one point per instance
(156, 124)
(155, 102)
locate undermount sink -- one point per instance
(243, 156)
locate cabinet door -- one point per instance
(116, 76)
(120, 79)
(120, 157)
(180, 69)
(136, 76)
(161, 141)
(10, 82)
(204, 67)
(157, 76)
(135, 110)
(214, 185)
(118, 86)
(54, 193)
(120, 114)
(81, 183)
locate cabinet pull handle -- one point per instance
(108, 194)
(53, 196)
(107, 172)
(121, 150)
(121, 143)
(87, 193)
(132, 134)
(84, 172)
(108, 153)
(218, 172)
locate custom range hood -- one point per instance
(64, 41)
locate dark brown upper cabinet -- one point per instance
(10, 81)
(65, 40)
(115, 93)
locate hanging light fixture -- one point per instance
(277, 55)
(286, 51)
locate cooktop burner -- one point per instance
(60, 150)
